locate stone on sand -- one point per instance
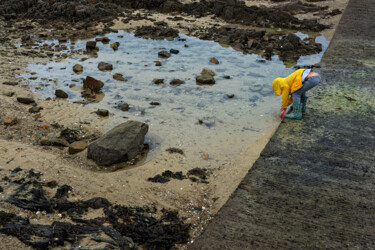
(122, 143)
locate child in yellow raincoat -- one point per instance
(293, 90)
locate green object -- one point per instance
(304, 102)
(296, 113)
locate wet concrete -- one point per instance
(313, 185)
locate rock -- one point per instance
(35, 109)
(158, 81)
(119, 77)
(78, 68)
(102, 112)
(10, 83)
(120, 144)
(25, 100)
(77, 147)
(155, 103)
(230, 96)
(91, 45)
(92, 84)
(206, 77)
(174, 51)
(115, 45)
(157, 63)
(9, 94)
(164, 54)
(214, 60)
(43, 34)
(105, 66)
(61, 93)
(123, 107)
(176, 82)
(226, 77)
(10, 121)
(105, 40)
(47, 141)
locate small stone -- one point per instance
(105, 66)
(102, 112)
(155, 103)
(157, 63)
(43, 34)
(174, 51)
(186, 45)
(164, 54)
(11, 121)
(25, 100)
(123, 107)
(115, 45)
(35, 109)
(61, 94)
(46, 141)
(10, 83)
(176, 82)
(214, 60)
(91, 45)
(158, 81)
(105, 40)
(226, 77)
(119, 77)
(78, 68)
(92, 84)
(230, 96)
(77, 147)
(9, 94)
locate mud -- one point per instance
(313, 185)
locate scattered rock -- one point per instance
(10, 83)
(47, 141)
(206, 77)
(35, 109)
(115, 45)
(230, 96)
(105, 66)
(158, 63)
(61, 94)
(174, 51)
(78, 68)
(25, 100)
(214, 60)
(10, 121)
(122, 143)
(105, 40)
(92, 84)
(119, 77)
(155, 103)
(176, 82)
(158, 81)
(77, 147)
(175, 150)
(9, 94)
(91, 45)
(102, 112)
(164, 54)
(123, 107)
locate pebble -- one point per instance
(102, 112)
(10, 121)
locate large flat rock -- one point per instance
(122, 143)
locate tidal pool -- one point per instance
(197, 119)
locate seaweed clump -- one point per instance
(119, 226)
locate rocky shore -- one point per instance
(47, 180)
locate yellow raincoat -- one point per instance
(286, 86)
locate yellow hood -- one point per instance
(276, 85)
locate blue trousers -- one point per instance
(309, 83)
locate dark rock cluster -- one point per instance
(119, 227)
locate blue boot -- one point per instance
(296, 112)
(304, 102)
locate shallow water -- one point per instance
(197, 119)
